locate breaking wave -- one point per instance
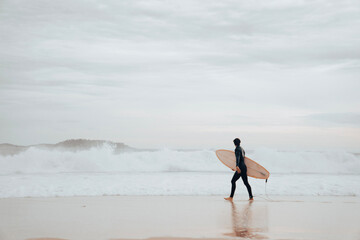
(106, 158)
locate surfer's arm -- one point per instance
(237, 156)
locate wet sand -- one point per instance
(179, 218)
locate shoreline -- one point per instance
(238, 196)
(179, 217)
(241, 197)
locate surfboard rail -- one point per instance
(255, 170)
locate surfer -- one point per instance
(240, 171)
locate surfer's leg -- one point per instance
(244, 177)
(233, 183)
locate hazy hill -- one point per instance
(67, 145)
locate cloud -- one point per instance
(153, 66)
(335, 119)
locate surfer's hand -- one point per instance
(238, 169)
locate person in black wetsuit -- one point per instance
(240, 171)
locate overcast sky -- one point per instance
(181, 74)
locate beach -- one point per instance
(113, 115)
(100, 193)
(179, 217)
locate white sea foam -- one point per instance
(100, 170)
(103, 159)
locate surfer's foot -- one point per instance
(229, 199)
(251, 199)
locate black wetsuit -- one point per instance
(240, 157)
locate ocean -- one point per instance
(107, 169)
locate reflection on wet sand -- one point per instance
(243, 224)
